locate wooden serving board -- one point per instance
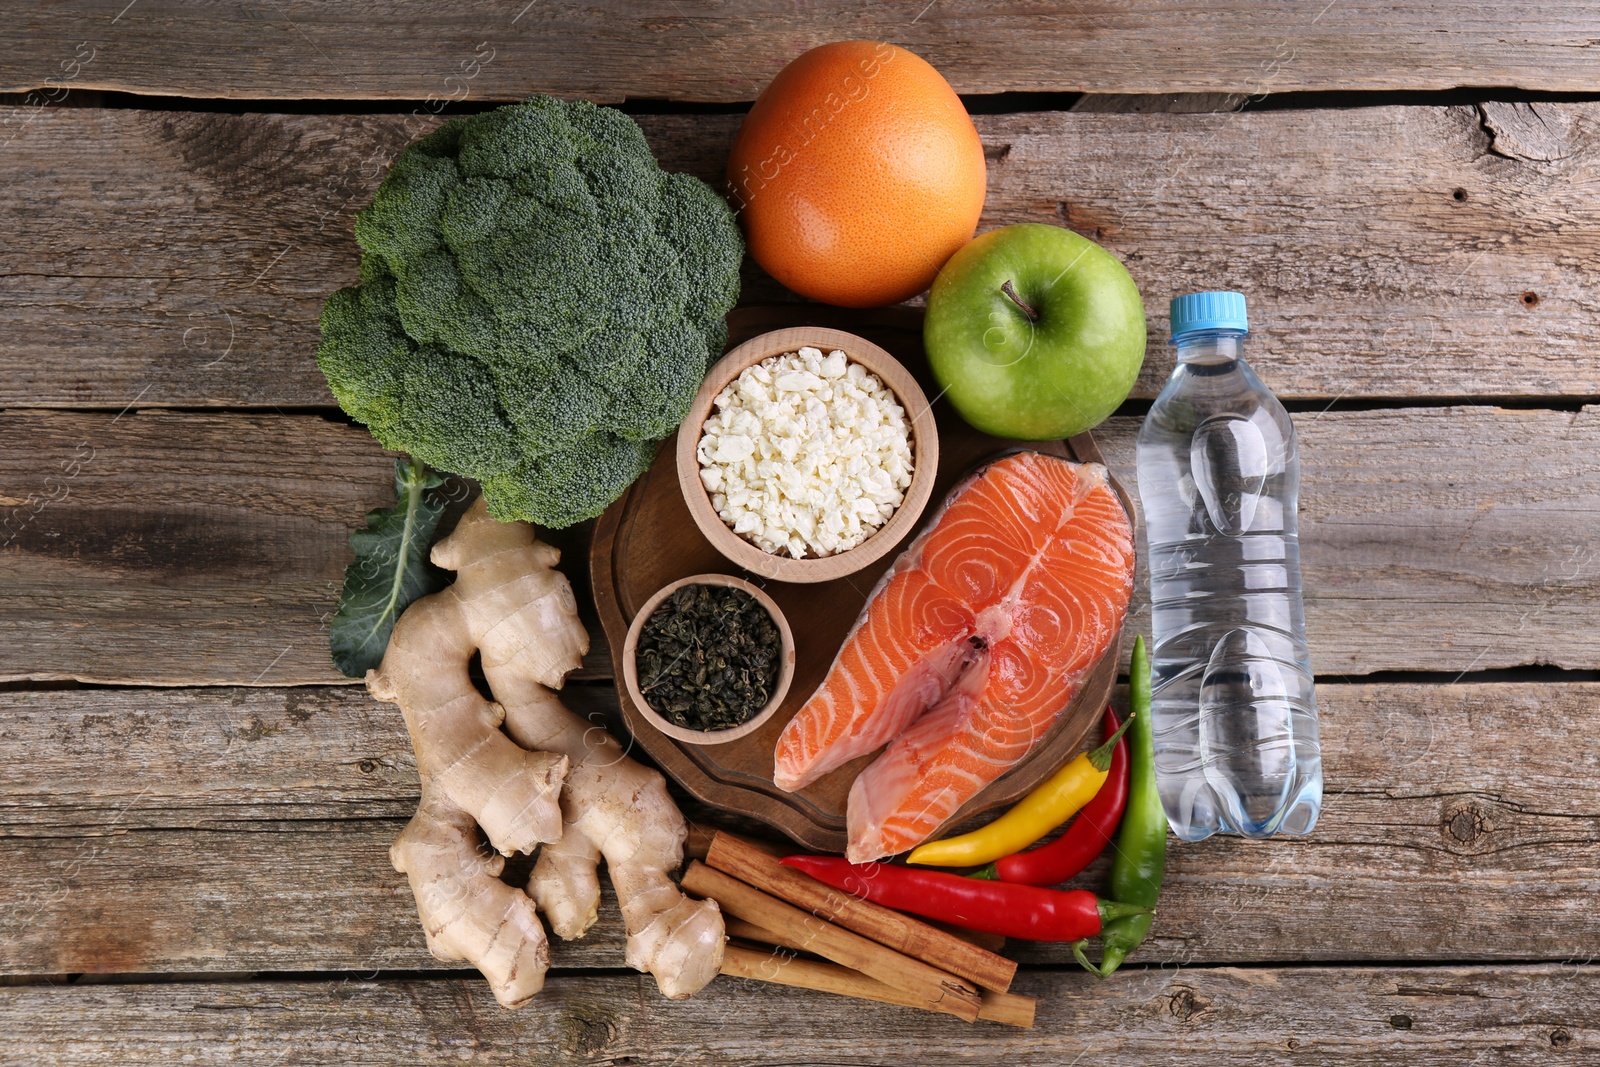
(647, 539)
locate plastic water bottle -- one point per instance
(1234, 708)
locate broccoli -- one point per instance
(537, 305)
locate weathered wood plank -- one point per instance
(692, 51)
(146, 831)
(177, 547)
(1403, 1016)
(173, 549)
(196, 549)
(1388, 252)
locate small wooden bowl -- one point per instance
(630, 669)
(924, 444)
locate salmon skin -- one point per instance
(970, 647)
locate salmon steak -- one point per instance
(970, 647)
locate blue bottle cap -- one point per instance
(1194, 312)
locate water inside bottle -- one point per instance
(1234, 705)
(1228, 464)
(1245, 730)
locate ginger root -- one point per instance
(557, 781)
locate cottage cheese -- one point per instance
(806, 454)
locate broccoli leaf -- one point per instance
(391, 569)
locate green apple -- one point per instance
(1034, 332)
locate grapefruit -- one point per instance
(856, 174)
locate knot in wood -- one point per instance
(590, 1036)
(1468, 825)
(1560, 1037)
(1400, 1022)
(1184, 1005)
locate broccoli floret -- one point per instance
(538, 304)
(603, 464)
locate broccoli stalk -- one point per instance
(538, 304)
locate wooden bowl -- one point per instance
(924, 445)
(630, 669)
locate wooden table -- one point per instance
(197, 810)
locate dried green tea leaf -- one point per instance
(708, 657)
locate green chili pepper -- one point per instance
(1141, 850)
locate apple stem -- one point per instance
(1011, 291)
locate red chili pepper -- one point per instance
(1020, 911)
(1084, 840)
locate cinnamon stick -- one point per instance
(751, 932)
(741, 962)
(739, 858)
(931, 987)
(698, 842)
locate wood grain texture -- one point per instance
(205, 549)
(400, 50)
(237, 830)
(183, 548)
(1371, 1017)
(177, 549)
(1387, 252)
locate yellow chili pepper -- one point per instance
(1052, 803)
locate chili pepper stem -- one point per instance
(1112, 910)
(1082, 957)
(1101, 757)
(988, 874)
(1111, 958)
